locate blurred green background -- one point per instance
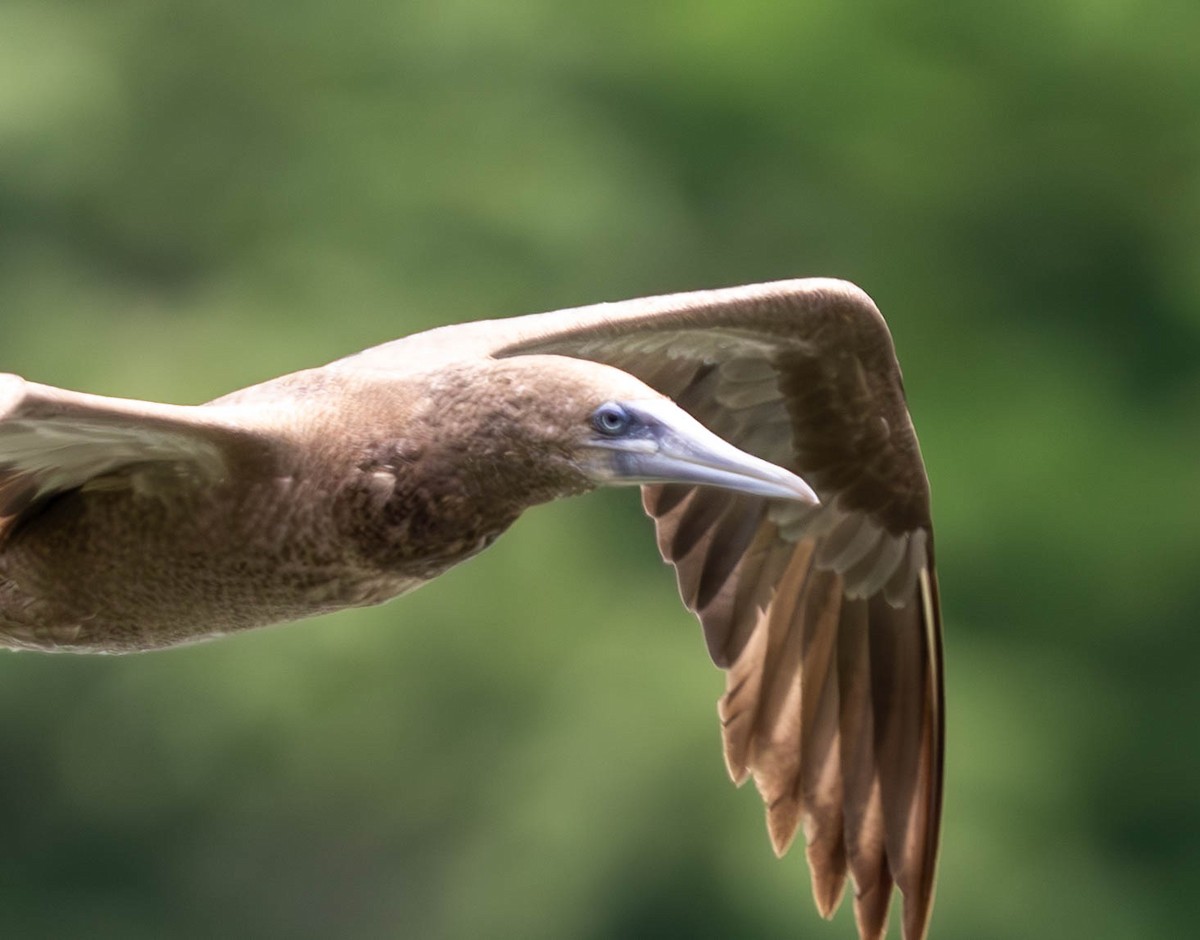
(196, 196)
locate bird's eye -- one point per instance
(610, 418)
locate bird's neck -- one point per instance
(457, 479)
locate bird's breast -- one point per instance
(417, 523)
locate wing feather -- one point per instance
(820, 762)
(53, 440)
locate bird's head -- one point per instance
(595, 425)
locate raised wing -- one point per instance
(825, 618)
(53, 440)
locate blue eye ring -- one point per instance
(610, 419)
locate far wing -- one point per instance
(53, 440)
(826, 618)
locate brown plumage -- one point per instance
(131, 525)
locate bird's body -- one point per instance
(365, 493)
(129, 525)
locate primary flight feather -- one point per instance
(768, 430)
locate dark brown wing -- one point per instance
(826, 618)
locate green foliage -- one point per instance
(197, 196)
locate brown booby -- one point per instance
(766, 425)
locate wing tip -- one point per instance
(783, 822)
(739, 773)
(871, 910)
(916, 917)
(828, 886)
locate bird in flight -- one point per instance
(766, 426)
